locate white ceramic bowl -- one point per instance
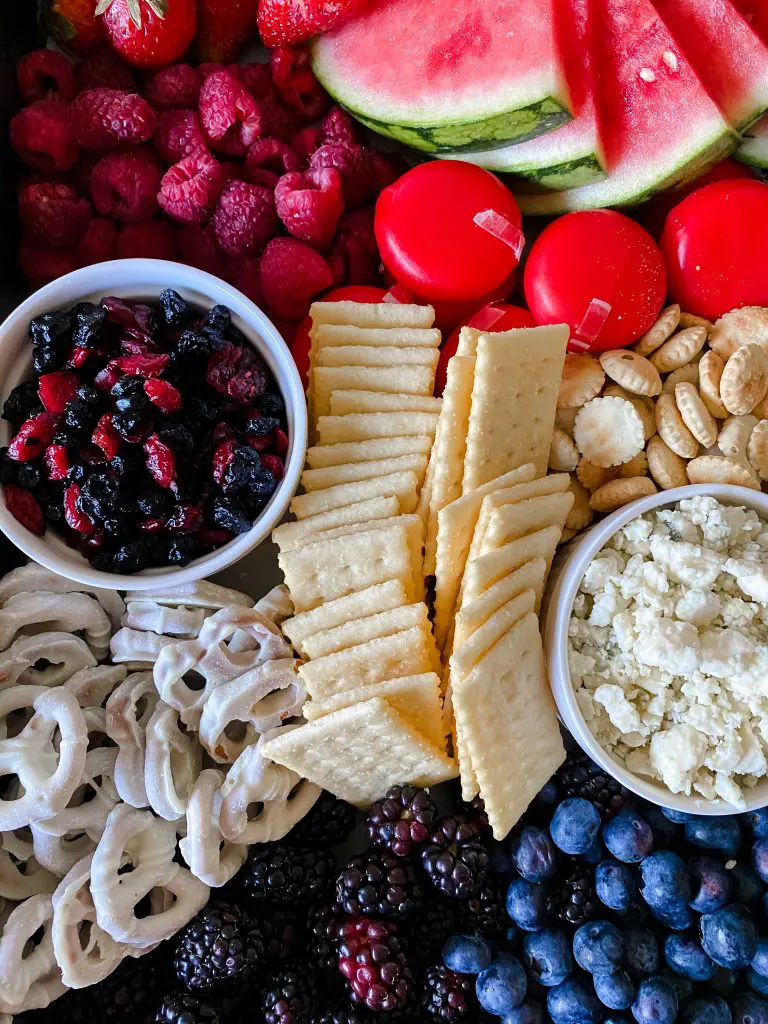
(145, 279)
(567, 572)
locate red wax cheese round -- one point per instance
(429, 240)
(495, 317)
(654, 213)
(596, 255)
(715, 245)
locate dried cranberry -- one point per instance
(106, 379)
(56, 389)
(281, 442)
(143, 365)
(274, 464)
(222, 457)
(33, 437)
(106, 437)
(74, 518)
(185, 518)
(163, 395)
(57, 461)
(25, 509)
(161, 461)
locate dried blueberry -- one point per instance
(243, 469)
(190, 345)
(271, 404)
(175, 310)
(178, 439)
(202, 412)
(48, 358)
(90, 395)
(181, 550)
(259, 426)
(29, 476)
(8, 467)
(153, 504)
(51, 329)
(128, 424)
(77, 472)
(79, 418)
(97, 496)
(230, 515)
(217, 321)
(22, 403)
(132, 557)
(89, 324)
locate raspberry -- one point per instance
(278, 120)
(56, 461)
(40, 265)
(124, 185)
(292, 275)
(295, 82)
(257, 79)
(178, 133)
(161, 461)
(351, 262)
(99, 242)
(25, 509)
(338, 126)
(33, 437)
(229, 114)
(73, 516)
(104, 71)
(200, 249)
(189, 189)
(56, 389)
(163, 395)
(222, 457)
(267, 159)
(153, 240)
(53, 214)
(41, 135)
(174, 86)
(244, 273)
(108, 118)
(245, 218)
(43, 72)
(305, 142)
(354, 166)
(385, 168)
(310, 204)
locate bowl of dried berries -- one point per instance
(153, 427)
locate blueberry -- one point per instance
(746, 886)
(757, 982)
(501, 987)
(614, 884)
(595, 853)
(760, 959)
(467, 954)
(598, 947)
(707, 1010)
(682, 987)
(575, 825)
(628, 836)
(655, 1002)
(527, 905)
(760, 858)
(547, 956)
(758, 822)
(676, 918)
(685, 956)
(534, 855)
(679, 817)
(664, 882)
(721, 834)
(572, 1002)
(642, 951)
(664, 830)
(616, 991)
(748, 1008)
(729, 936)
(153, 504)
(724, 981)
(710, 883)
(528, 1012)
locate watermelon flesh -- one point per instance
(754, 148)
(569, 156)
(448, 76)
(659, 126)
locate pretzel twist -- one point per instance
(210, 858)
(68, 613)
(129, 709)
(172, 762)
(28, 980)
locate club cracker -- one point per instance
(345, 402)
(373, 355)
(514, 397)
(472, 616)
(488, 569)
(473, 650)
(404, 486)
(326, 335)
(324, 380)
(359, 752)
(372, 314)
(361, 426)
(332, 476)
(290, 535)
(555, 483)
(368, 451)
(513, 521)
(507, 716)
(360, 631)
(380, 597)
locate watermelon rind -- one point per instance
(754, 149)
(545, 166)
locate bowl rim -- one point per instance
(556, 614)
(135, 277)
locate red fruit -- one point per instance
(106, 379)
(40, 265)
(149, 33)
(153, 240)
(164, 396)
(229, 114)
(106, 437)
(33, 437)
(74, 518)
(53, 214)
(99, 242)
(178, 133)
(124, 186)
(278, 120)
(237, 372)
(56, 389)
(295, 81)
(222, 457)
(56, 460)
(310, 204)
(223, 26)
(43, 72)
(274, 464)
(73, 25)
(142, 365)
(353, 164)
(212, 538)
(305, 142)
(267, 159)
(41, 135)
(281, 441)
(176, 86)
(25, 509)
(189, 189)
(105, 119)
(284, 22)
(200, 249)
(372, 961)
(244, 272)
(185, 519)
(245, 218)
(161, 461)
(257, 79)
(292, 275)
(104, 71)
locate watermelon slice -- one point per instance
(448, 76)
(569, 156)
(754, 148)
(756, 13)
(658, 124)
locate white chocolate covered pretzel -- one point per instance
(64, 653)
(129, 709)
(69, 613)
(20, 873)
(92, 801)
(134, 647)
(29, 980)
(168, 620)
(210, 857)
(58, 854)
(32, 578)
(172, 762)
(193, 595)
(92, 686)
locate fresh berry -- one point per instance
(502, 986)
(655, 1002)
(200, 249)
(99, 242)
(245, 218)
(33, 437)
(223, 27)
(628, 836)
(575, 825)
(133, 991)
(729, 936)
(598, 947)
(56, 390)
(534, 854)
(229, 114)
(484, 912)
(615, 884)
(217, 948)
(447, 995)
(43, 72)
(178, 134)
(402, 820)
(685, 956)
(330, 821)
(174, 86)
(323, 923)
(528, 905)
(124, 186)
(189, 189)
(664, 881)
(305, 142)
(288, 996)
(467, 954)
(149, 33)
(572, 899)
(353, 165)
(285, 22)
(295, 82)
(309, 204)
(455, 860)
(24, 508)
(373, 962)
(104, 70)
(289, 876)
(184, 1008)
(338, 126)
(722, 834)
(616, 991)
(580, 776)
(572, 1000)
(104, 119)
(152, 240)
(283, 934)
(343, 1015)
(378, 884)
(292, 274)
(268, 159)
(42, 136)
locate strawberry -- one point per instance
(73, 24)
(285, 22)
(223, 27)
(149, 33)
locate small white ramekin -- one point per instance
(567, 572)
(143, 279)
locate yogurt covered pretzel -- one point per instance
(95, 797)
(32, 578)
(65, 653)
(92, 686)
(178, 621)
(210, 858)
(28, 980)
(172, 762)
(69, 613)
(129, 709)
(20, 873)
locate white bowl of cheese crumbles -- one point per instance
(656, 632)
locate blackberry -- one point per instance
(574, 901)
(402, 820)
(447, 995)
(22, 403)
(217, 947)
(175, 310)
(289, 996)
(430, 928)
(580, 776)
(288, 876)
(455, 859)
(184, 1008)
(485, 913)
(329, 823)
(372, 960)
(130, 994)
(378, 884)
(230, 515)
(89, 324)
(283, 935)
(343, 1015)
(323, 922)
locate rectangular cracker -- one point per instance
(468, 338)
(373, 355)
(488, 569)
(332, 476)
(467, 777)
(359, 631)
(513, 521)
(361, 426)
(372, 314)
(517, 380)
(368, 451)
(530, 575)
(555, 483)
(344, 402)
(455, 526)
(379, 598)
(404, 486)
(325, 335)
(327, 569)
(507, 716)
(290, 534)
(410, 380)
(416, 698)
(359, 752)
(472, 651)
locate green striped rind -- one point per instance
(583, 170)
(754, 149)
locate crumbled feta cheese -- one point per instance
(676, 754)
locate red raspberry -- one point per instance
(292, 275)
(43, 72)
(33, 437)
(354, 166)
(297, 85)
(104, 71)
(174, 86)
(153, 240)
(178, 133)
(56, 389)
(310, 204)
(41, 135)
(99, 242)
(164, 396)
(124, 186)
(351, 263)
(53, 214)
(74, 518)
(108, 118)
(106, 437)
(229, 114)
(40, 265)
(338, 126)
(161, 462)
(200, 249)
(385, 168)
(305, 142)
(25, 509)
(56, 461)
(245, 275)
(267, 159)
(278, 120)
(210, 67)
(189, 189)
(222, 457)
(257, 79)
(245, 218)
(274, 464)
